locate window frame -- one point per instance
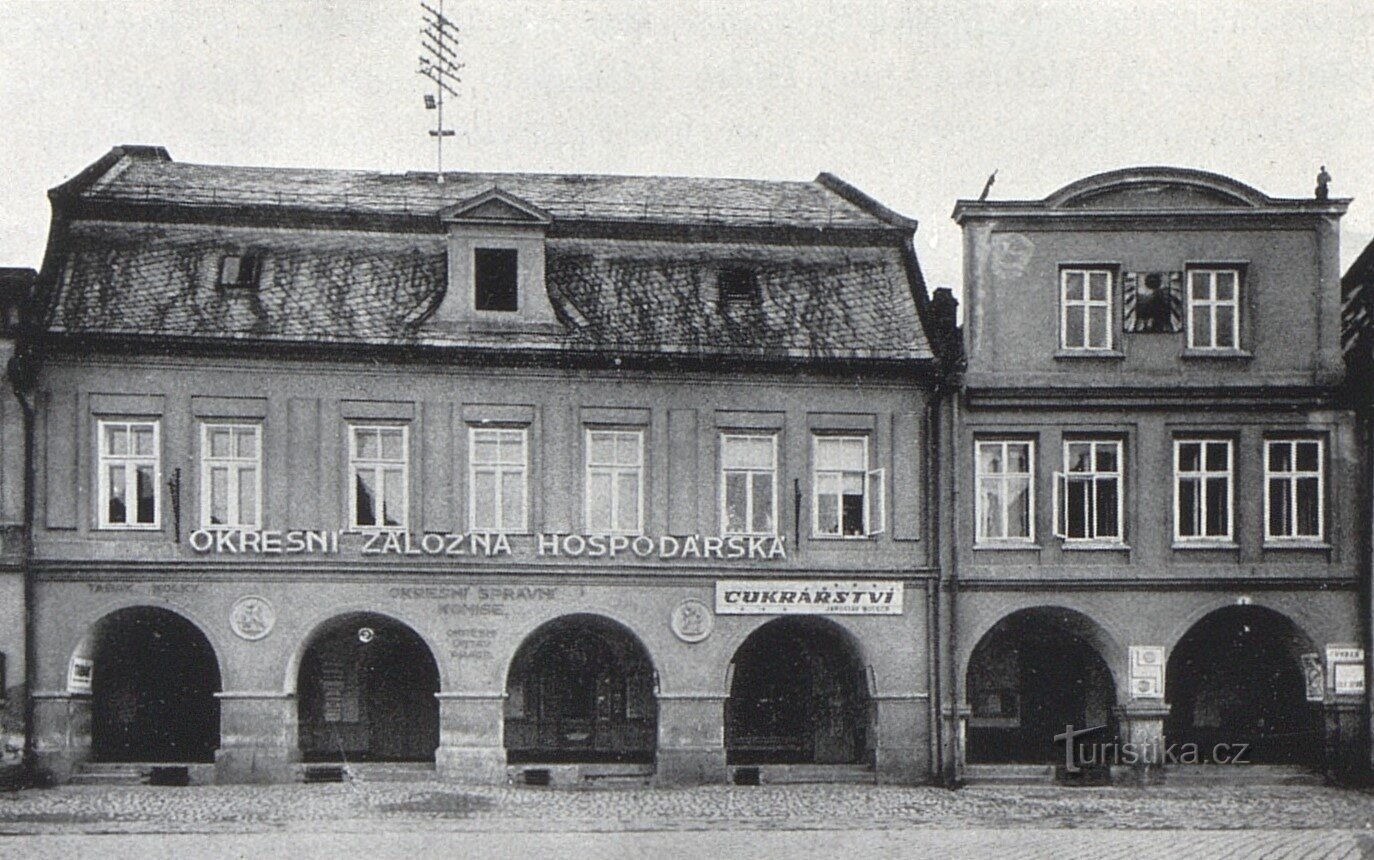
(1235, 303)
(484, 248)
(1292, 476)
(1203, 475)
(983, 540)
(1093, 476)
(235, 464)
(750, 473)
(615, 470)
(500, 469)
(1085, 306)
(874, 490)
(130, 462)
(378, 464)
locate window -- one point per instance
(1213, 309)
(497, 468)
(1086, 307)
(615, 481)
(495, 272)
(738, 285)
(130, 467)
(1293, 489)
(240, 270)
(1005, 475)
(378, 460)
(748, 480)
(1088, 492)
(849, 500)
(230, 466)
(1202, 498)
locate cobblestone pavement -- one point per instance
(363, 805)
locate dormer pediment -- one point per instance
(495, 206)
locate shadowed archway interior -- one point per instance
(1031, 675)
(1236, 677)
(366, 689)
(798, 695)
(153, 682)
(581, 690)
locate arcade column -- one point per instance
(258, 738)
(61, 732)
(1141, 723)
(470, 744)
(691, 739)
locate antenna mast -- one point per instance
(439, 63)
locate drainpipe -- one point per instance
(954, 778)
(934, 665)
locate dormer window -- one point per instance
(240, 270)
(738, 285)
(495, 279)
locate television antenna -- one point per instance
(439, 63)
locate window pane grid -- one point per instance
(615, 481)
(839, 480)
(129, 471)
(1293, 489)
(498, 467)
(1202, 495)
(230, 470)
(1092, 490)
(1086, 309)
(379, 466)
(1214, 309)
(748, 482)
(1004, 473)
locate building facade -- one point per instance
(1155, 479)
(15, 287)
(518, 477)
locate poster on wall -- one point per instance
(80, 674)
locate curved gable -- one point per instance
(1156, 188)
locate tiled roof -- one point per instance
(665, 199)
(625, 295)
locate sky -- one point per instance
(914, 101)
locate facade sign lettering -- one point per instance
(808, 597)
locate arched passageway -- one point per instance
(798, 695)
(366, 692)
(1236, 677)
(1035, 672)
(153, 678)
(581, 690)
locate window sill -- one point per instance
(1218, 354)
(1297, 543)
(1090, 354)
(1095, 545)
(1007, 545)
(1206, 544)
(129, 529)
(833, 537)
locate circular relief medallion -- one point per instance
(692, 620)
(252, 617)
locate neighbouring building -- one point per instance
(15, 286)
(1156, 479)
(519, 477)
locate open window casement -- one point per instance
(1061, 496)
(875, 502)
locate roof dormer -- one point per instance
(496, 263)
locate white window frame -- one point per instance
(1093, 476)
(499, 470)
(1203, 474)
(235, 465)
(130, 462)
(1213, 303)
(1084, 308)
(874, 484)
(378, 465)
(614, 471)
(1292, 476)
(1003, 478)
(750, 474)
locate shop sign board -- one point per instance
(808, 597)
